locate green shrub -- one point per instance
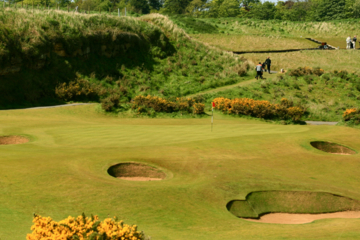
(187, 105)
(308, 79)
(110, 103)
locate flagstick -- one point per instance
(212, 118)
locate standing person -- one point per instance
(348, 40)
(259, 69)
(354, 41)
(268, 64)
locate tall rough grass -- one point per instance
(30, 30)
(117, 58)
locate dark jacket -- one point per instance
(268, 61)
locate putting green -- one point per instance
(62, 171)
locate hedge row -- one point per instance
(259, 108)
(158, 104)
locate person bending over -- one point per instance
(259, 69)
(348, 41)
(354, 42)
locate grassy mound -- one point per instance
(99, 56)
(259, 203)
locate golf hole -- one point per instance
(136, 172)
(8, 140)
(333, 148)
(293, 207)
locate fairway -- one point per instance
(62, 171)
(328, 60)
(239, 42)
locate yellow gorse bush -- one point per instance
(163, 105)
(75, 90)
(353, 115)
(259, 108)
(82, 228)
(349, 112)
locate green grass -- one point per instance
(325, 97)
(63, 171)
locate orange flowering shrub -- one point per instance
(295, 113)
(158, 104)
(259, 108)
(353, 115)
(199, 108)
(82, 228)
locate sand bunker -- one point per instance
(136, 172)
(292, 218)
(293, 207)
(7, 140)
(333, 148)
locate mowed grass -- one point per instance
(62, 171)
(338, 42)
(329, 60)
(239, 42)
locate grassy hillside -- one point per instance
(120, 56)
(325, 97)
(62, 171)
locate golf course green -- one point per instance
(63, 170)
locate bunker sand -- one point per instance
(7, 140)
(292, 218)
(140, 179)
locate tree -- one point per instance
(195, 8)
(229, 8)
(356, 9)
(246, 3)
(329, 10)
(38, 2)
(140, 6)
(175, 6)
(262, 11)
(155, 4)
(213, 8)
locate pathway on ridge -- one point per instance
(223, 88)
